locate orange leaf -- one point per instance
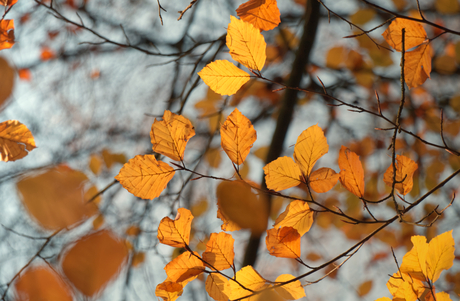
(246, 43)
(405, 169)
(217, 287)
(290, 291)
(145, 177)
(6, 34)
(263, 14)
(56, 198)
(168, 290)
(176, 233)
(250, 279)
(8, 2)
(297, 215)
(7, 82)
(283, 242)
(310, 146)
(170, 135)
(223, 77)
(25, 74)
(41, 283)
(184, 266)
(16, 141)
(417, 67)
(93, 261)
(365, 288)
(404, 287)
(238, 135)
(323, 179)
(219, 251)
(47, 54)
(283, 173)
(414, 36)
(351, 173)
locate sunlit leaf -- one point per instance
(404, 287)
(145, 177)
(310, 146)
(250, 279)
(414, 262)
(246, 43)
(217, 287)
(290, 291)
(237, 136)
(405, 169)
(6, 34)
(440, 255)
(168, 290)
(263, 14)
(93, 261)
(219, 251)
(351, 172)
(323, 179)
(283, 242)
(283, 173)
(16, 141)
(170, 135)
(223, 77)
(417, 67)
(8, 2)
(442, 296)
(7, 83)
(297, 215)
(414, 36)
(184, 266)
(176, 233)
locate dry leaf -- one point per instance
(417, 67)
(290, 291)
(250, 279)
(16, 141)
(168, 290)
(217, 287)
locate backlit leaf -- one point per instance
(223, 77)
(442, 296)
(405, 169)
(93, 261)
(323, 179)
(238, 135)
(404, 287)
(310, 146)
(176, 233)
(7, 83)
(145, 177)
(8, 2)
(6, 34)
(414, 262)
(283, 173)
(417, 67)
(290, 291)
(16, 141)
(56, 198)
(184, 266)
(383, 299)
(415, 34)
(263, 14)
(246, 43)
(168, 290)
(250, 279)
(170, 135)
(440, 255)
(217, 287)
(219, 251)
(351, 172)
(297, 215)
(283, 242)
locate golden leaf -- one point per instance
(263, 14)
(223, 77)
(283, 242)
(217, 287)
(219, 251)
(297, 215)
(405, 169)
(351, 173)
(250, 279)
(414, 36)
(290, 291)
(310, 146)
(283, 173)
(323, 179)
(440, 255)
(16, 141)
(414, 262)
(417, 67)
(168, 290)
(6, 33)
(404, 287)
(176, 233)
(184, 267)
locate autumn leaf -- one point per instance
(404, 287)
(7, 83)
(217, 287)
(351, 172)
(283, 242)
(283, 173)
(310, 146)
(405, 169)
(219, 251)
(227, 224)
(168, 290)
(8, 2)
(6, 34)
(246, 43)
(145, 177)
(323, 179)
(290, 291)
(414, 36)
(440, 255)
(170, 135)
(250, 279)
(184, 267)
(414, 262)
(297, 215)
(223, 77)
(47, 54)
(176, 233)
(238, 135)
(417, 66)
(263, 14)
(16, 141)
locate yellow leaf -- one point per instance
(217, 287)
(414, 262)
(290, 291)
(228, 225)
(145, 177)
(250, 279)
(16, 141)
(223, 77)
(263, 14)
(246, 43)
(351, 172)
(414, 36)
(440, 255)
(184, 266)
(383, 299)
(238, 135)
(417, 67)
(404, 287)
(170, 135)
(310, 146)
(7, 83)
(56, 197)
(283, 173)
(168, 290)
(283, 242)
(176, 233)
(297, 215)
(323, 179)
(93, 261)
(219, 251)
(405, 169)
(442, 296)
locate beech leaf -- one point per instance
(310, 146)
(219, 251)
(351, 172)
(184, 267)
(168, 290)
(282, 173)
(223, 77)
(417, 66)
(283, 242)
(250, 279)
(405, 169)
(263, 14)
(290, 291)
(176, 233)
(323, 179)
(217, 287)
(16, 141)
(414, 36)
(297, 215)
